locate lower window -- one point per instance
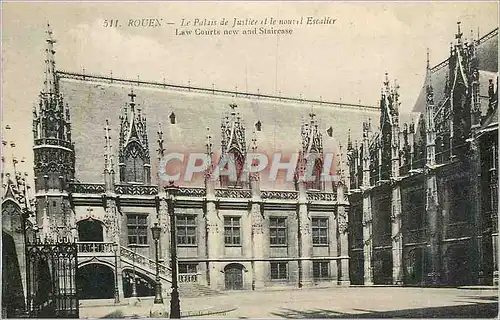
(321, 269)
(279, 270)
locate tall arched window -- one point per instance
(237, 160)
(134, 163)
(314, 181)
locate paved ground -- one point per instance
(369, 302)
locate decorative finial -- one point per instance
(254, 141)
(349, 142)
(161, 149)
(233, 106)
(312, 114)
(459, 34)
(428, 60)
(209, 141)
(132, 95)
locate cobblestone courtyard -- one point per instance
(367, 302)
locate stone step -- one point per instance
(196, 290)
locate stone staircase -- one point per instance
(144, 264)
(191, 290)
(189, 285)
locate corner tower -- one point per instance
(54, 153)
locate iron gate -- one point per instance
(51, 277)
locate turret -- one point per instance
(366, 154)
(54, 155)
(430, 129)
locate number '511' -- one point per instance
(110, 23)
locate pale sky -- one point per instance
(344, 62)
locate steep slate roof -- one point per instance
(487, 52)
(92, 100)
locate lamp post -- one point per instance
(175, 304)
(156, 231)
(115, 250)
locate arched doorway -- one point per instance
(95, 281)
(144, 286)
(414, 266)
(90, 230)
(456, 266)
(234, 276)
(12, 287)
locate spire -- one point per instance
(209, 153)
(109, 178)
(459, 33)
(161, 149)
(349, 141)
(428, 61)
(428, 81)
(254, 176)
(107, 150)
(253, 144)
(50, 64)
(233, 132)
(312, 139)
(54, 166)
(209, 143)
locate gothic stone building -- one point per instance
(414, 204)
(423, 196)
(96, 158)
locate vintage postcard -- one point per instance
(249, 159)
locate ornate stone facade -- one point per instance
(433, 176)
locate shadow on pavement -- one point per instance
(492, 298)
(114, 314)
(477, 310)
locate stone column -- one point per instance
(258, 240)
(342, 241)
(214, 237)
(494, 239)
(475, 253)
(304, 239)
(397, 236)
(434, 229)
(164, 222)
(367, 207)
(367, 238)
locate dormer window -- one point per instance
(330, 132)
(258, 126)
(134, 164)
(172, 118)
(237, 161)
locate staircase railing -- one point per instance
(188, 277)
(145, 262)
(92, 248)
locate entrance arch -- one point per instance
(144, 286)
(12, 287)
(95, 281)
(233, 274)
(414, 265)
(90, 230)
(456, 265)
